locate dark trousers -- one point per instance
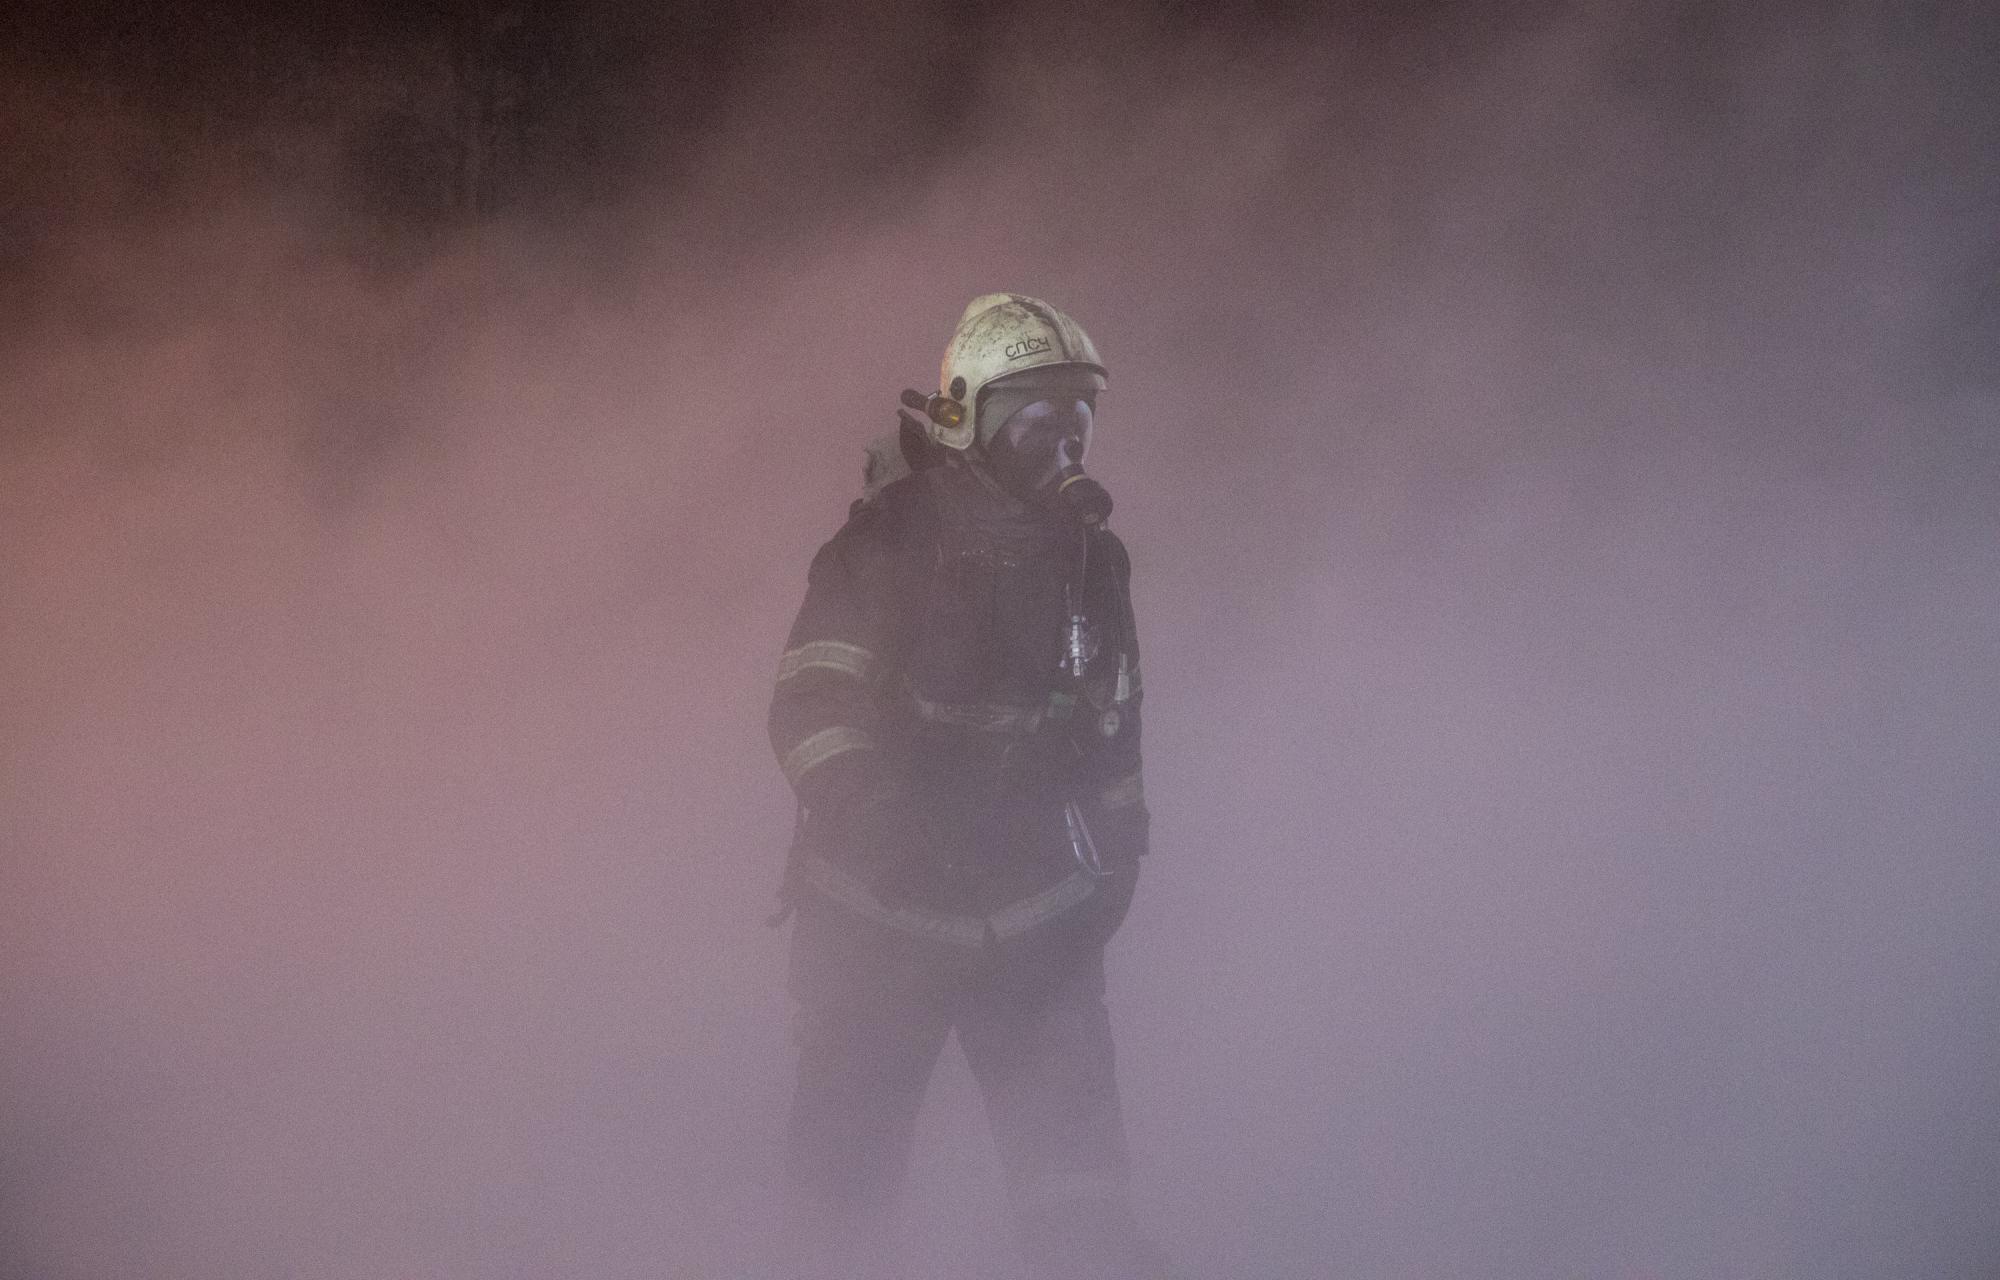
(875, 1009)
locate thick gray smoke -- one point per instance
(1560, 465)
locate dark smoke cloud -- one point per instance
(1558, 448)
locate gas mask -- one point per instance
(1036, 452)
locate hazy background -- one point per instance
(1558, 446)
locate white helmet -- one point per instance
(1000, 334)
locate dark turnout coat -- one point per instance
(947, 754)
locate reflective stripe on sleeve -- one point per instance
(822, 747)
(826, 655)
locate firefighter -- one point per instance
(958, 713)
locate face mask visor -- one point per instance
(1042, 428)
(1039, 444)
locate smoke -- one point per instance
(1558, 453)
